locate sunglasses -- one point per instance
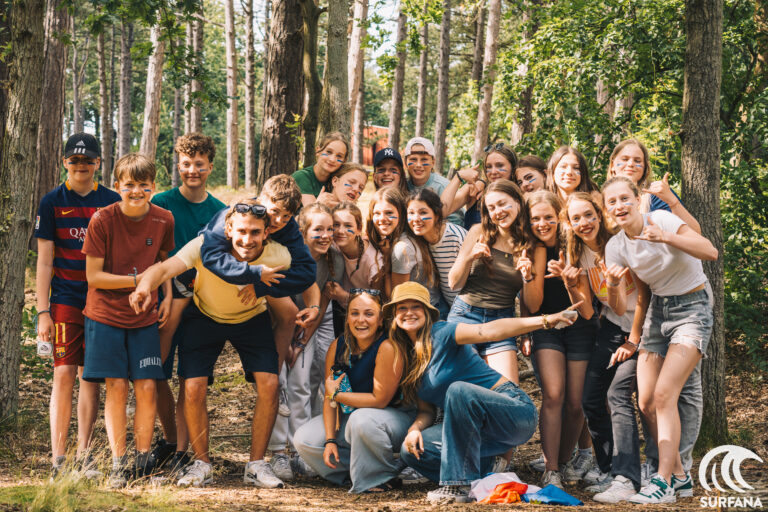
(495, 147)
(256, 209)
(370, 291)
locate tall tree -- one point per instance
(489, 72)
(396, 110)
(233, 132)
(479, 48)
(78, 75)
(310, 14)
(356, 50)
(153, 93)
(283, 90)
(421, 100)
(25, 61)
(126, 86)
(49, 133)
(700, 158)
(358, 127)
(107, 171)
(443, 84)
(190, 35)
(105, 106)
(250, 90)
(334, 106)
(178, 108)
(194, 119)
(4, 40)
(523, 124)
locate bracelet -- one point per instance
(527, 280)
(485, 183)
(330, 441)
(545, 322)
(335, 392)
(315, 306)
(636, 345)
(135, 283)
(607, 282)
(43, 311)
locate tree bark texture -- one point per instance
(283, 89)
(421, 99)
(233, 132)
(358, 127)
(443, 84)
(189, 37)
(178, 108)
(153, 94)
(4, 38)
(479, 49)
(105, 106)
(310, 14)
(396, 110)
(126, 85)
(524, 122)
(356, 50)
(334, 106)
(195, 111)
(78, 74)
(489, 70)
(49, 133)
(250, 110)
(700, 156)
(24, 88)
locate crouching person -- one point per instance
(354, 439)
(217, 314)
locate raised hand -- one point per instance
(271, 275)
(614, 274)
(555, 267)
(652, 232)
(471, 174)
(570, 275)
(660, 188)
(327, 198)
(525, 266)
(480, 250)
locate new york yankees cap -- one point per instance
(385, 153)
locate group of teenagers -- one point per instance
(382, 345)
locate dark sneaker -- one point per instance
(145, 464)
(162, 451)
(119, 477)
(178, 463)
(450, 494)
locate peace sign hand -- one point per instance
(652, 232)
(614, 274)
(525, 266)
(660, 188)
(556, 267)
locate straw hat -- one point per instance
(411, 290)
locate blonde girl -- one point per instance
(347, 184)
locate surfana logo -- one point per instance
(730, 468)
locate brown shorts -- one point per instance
(68, 335)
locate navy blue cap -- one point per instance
(385, 153)
(82, 144)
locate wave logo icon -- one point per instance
(730, 468)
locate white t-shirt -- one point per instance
(668, 271)
(589, 264)
(444, 254)
(407, 259)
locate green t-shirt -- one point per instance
(189, 218)
(307, 181)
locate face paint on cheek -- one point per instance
(147, 190)
(552, 222)
(313, 237)
(350, 231)
(339, 160)
(392, 217)
(531, 180)
(577, 173)
(126, 190)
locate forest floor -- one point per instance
(25, 450)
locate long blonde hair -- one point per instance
(305, 221)
(418, 355)
(645, 179)
(547, 197)
(573, 243)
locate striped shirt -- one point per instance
(63, 217)
(444, 254)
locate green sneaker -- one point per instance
(683, 488)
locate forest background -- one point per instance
(266, 79)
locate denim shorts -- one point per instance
(119, 353)
(463, 313)
(576, 341)
(685, 319)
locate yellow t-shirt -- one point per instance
(217, 298)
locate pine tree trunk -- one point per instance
(4, 39)
(524, 122)
(112, 96)
(356, 51)
(700, 158)
(189, 38)
(358, 128)
(310, 14)
(283, 89)
(178, 108)
(49, 134)
(25, 62)
(479, 49)
(126, 85)
(77, 106)
(233, 133)
(443, 84)
(421, 100)
(152, 94)
(195, 111)
(334, 106)
(396, 110)
(489, 68)
(105, 105)
(250, 111)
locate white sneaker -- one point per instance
(551, 477)
(621, 489)
(259, 473)
(538, 464)
(197, 474)
(281, 466)
(646, 472)
(576, 468)
(282, 404)
(596, 480)
(658, 491)
(410, 476)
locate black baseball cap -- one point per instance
(82, 144)
(385, 153)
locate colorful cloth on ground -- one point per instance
(551, 495)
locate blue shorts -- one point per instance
(576, 341)
(204, 338)
(463, 313)
(685, 319)
(120, 353)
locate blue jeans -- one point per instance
(463, 313)
(479, 424)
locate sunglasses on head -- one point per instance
(256, 209)
(370, 291)
(495, 147)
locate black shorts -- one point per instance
(204, 339)
(576, 341)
